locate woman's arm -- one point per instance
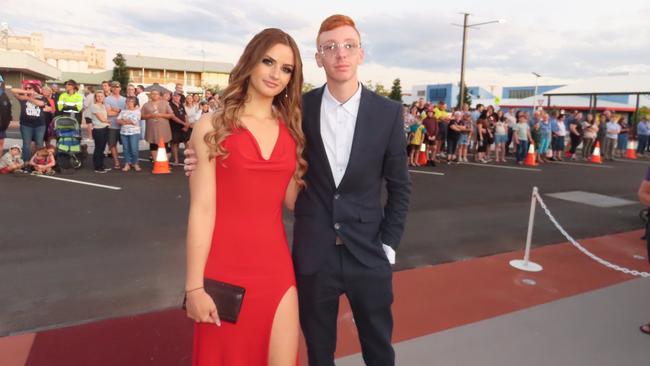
(20, 94)
(27, 95)
(101, 116)
(292, 193)
(169, 114)
(146, 113)
(122, 121)
(202, 207)
(177, 120)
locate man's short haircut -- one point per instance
(478, 106)
(140, 86)
(336, 21)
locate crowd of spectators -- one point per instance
(109, 117)
(489, 135)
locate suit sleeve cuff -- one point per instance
(390, 253)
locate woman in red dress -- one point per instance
(249, 164)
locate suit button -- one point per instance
(337, 196)
(337, 226)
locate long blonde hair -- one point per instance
(287, 104)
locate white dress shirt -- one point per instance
(337, 123)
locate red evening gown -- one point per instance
(249, 248)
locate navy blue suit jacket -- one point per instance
(353, 211)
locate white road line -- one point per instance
(80, 182)
(589, 165)
(425, 172)
(640, 161)
(503, 167)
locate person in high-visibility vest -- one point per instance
(71, 100)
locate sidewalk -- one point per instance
(479, 311)
(599, 328)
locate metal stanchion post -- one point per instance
(526, 264)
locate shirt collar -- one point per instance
(351, 105)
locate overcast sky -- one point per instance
(414, 40)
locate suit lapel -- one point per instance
(362, 124)
(314, 116)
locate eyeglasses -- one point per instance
(329, 49)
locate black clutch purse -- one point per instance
(227, 297)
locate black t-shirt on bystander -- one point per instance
(32, 115)
(179, 112)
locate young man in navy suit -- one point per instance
(344, 237)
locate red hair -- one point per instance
(336, 21)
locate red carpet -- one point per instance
(427, 300)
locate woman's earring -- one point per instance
(286, 93)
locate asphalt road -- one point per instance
(73, 253)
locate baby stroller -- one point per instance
(68, 142)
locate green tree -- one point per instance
(214, 88)
(381, 90)
(467, 98)
(120, 72)
(307, 87)
(396, 91)
(638, 115)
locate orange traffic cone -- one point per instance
(595, 157)
(161, 165)
(631, 150)
(422, 156)
(530, 158)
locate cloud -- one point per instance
(230, 23)
(416, 42)
(411, 40)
